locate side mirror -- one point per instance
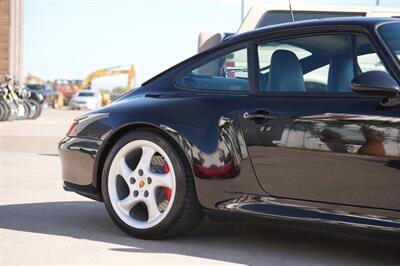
(377, 83)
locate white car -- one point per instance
(272, 14)
(262, 15)
(86, 99)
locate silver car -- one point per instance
(86, 100)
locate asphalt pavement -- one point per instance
(40, 223)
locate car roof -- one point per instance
(366, 22)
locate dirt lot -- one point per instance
(42, 224)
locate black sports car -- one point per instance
(298, 121)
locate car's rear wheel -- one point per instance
(147, 187)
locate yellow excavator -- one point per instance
(130, 71)
(31, 79)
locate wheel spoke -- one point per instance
(152, 207)
(128, 203)
(124, 170)
(161, 180)
(145, 159)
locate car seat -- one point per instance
(285, 73)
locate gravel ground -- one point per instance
(42, 224)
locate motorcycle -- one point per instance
(17, 102)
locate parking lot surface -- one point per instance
(42, 224)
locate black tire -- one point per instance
(36, 106)
(27, 110)
(185, 212)
(13, 111)
(6, 111)
(2, 112)
(32, 110)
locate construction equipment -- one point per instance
(109, 72)
(118, 70)
(31, 79)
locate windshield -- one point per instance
(391, 35)
(86, 94)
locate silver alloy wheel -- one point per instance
(143, 182)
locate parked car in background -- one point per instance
(46, 92)
(86, 99)
(272, 14)
(261, 16)
(255, 139)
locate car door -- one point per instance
(309, 137)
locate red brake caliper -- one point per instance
(167, 191)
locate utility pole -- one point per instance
(291, 10)
(242, 10)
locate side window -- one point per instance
(370, 62)
(226, 72)
(320, 63)
(265, 53)
(367, 58)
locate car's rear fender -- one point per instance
(207, 136)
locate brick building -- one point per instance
(11, 38)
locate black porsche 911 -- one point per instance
(299, 121)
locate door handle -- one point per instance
(259, 114)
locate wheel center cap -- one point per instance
(141, 183)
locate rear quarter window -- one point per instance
(228, 72)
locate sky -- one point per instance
(68, 39)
